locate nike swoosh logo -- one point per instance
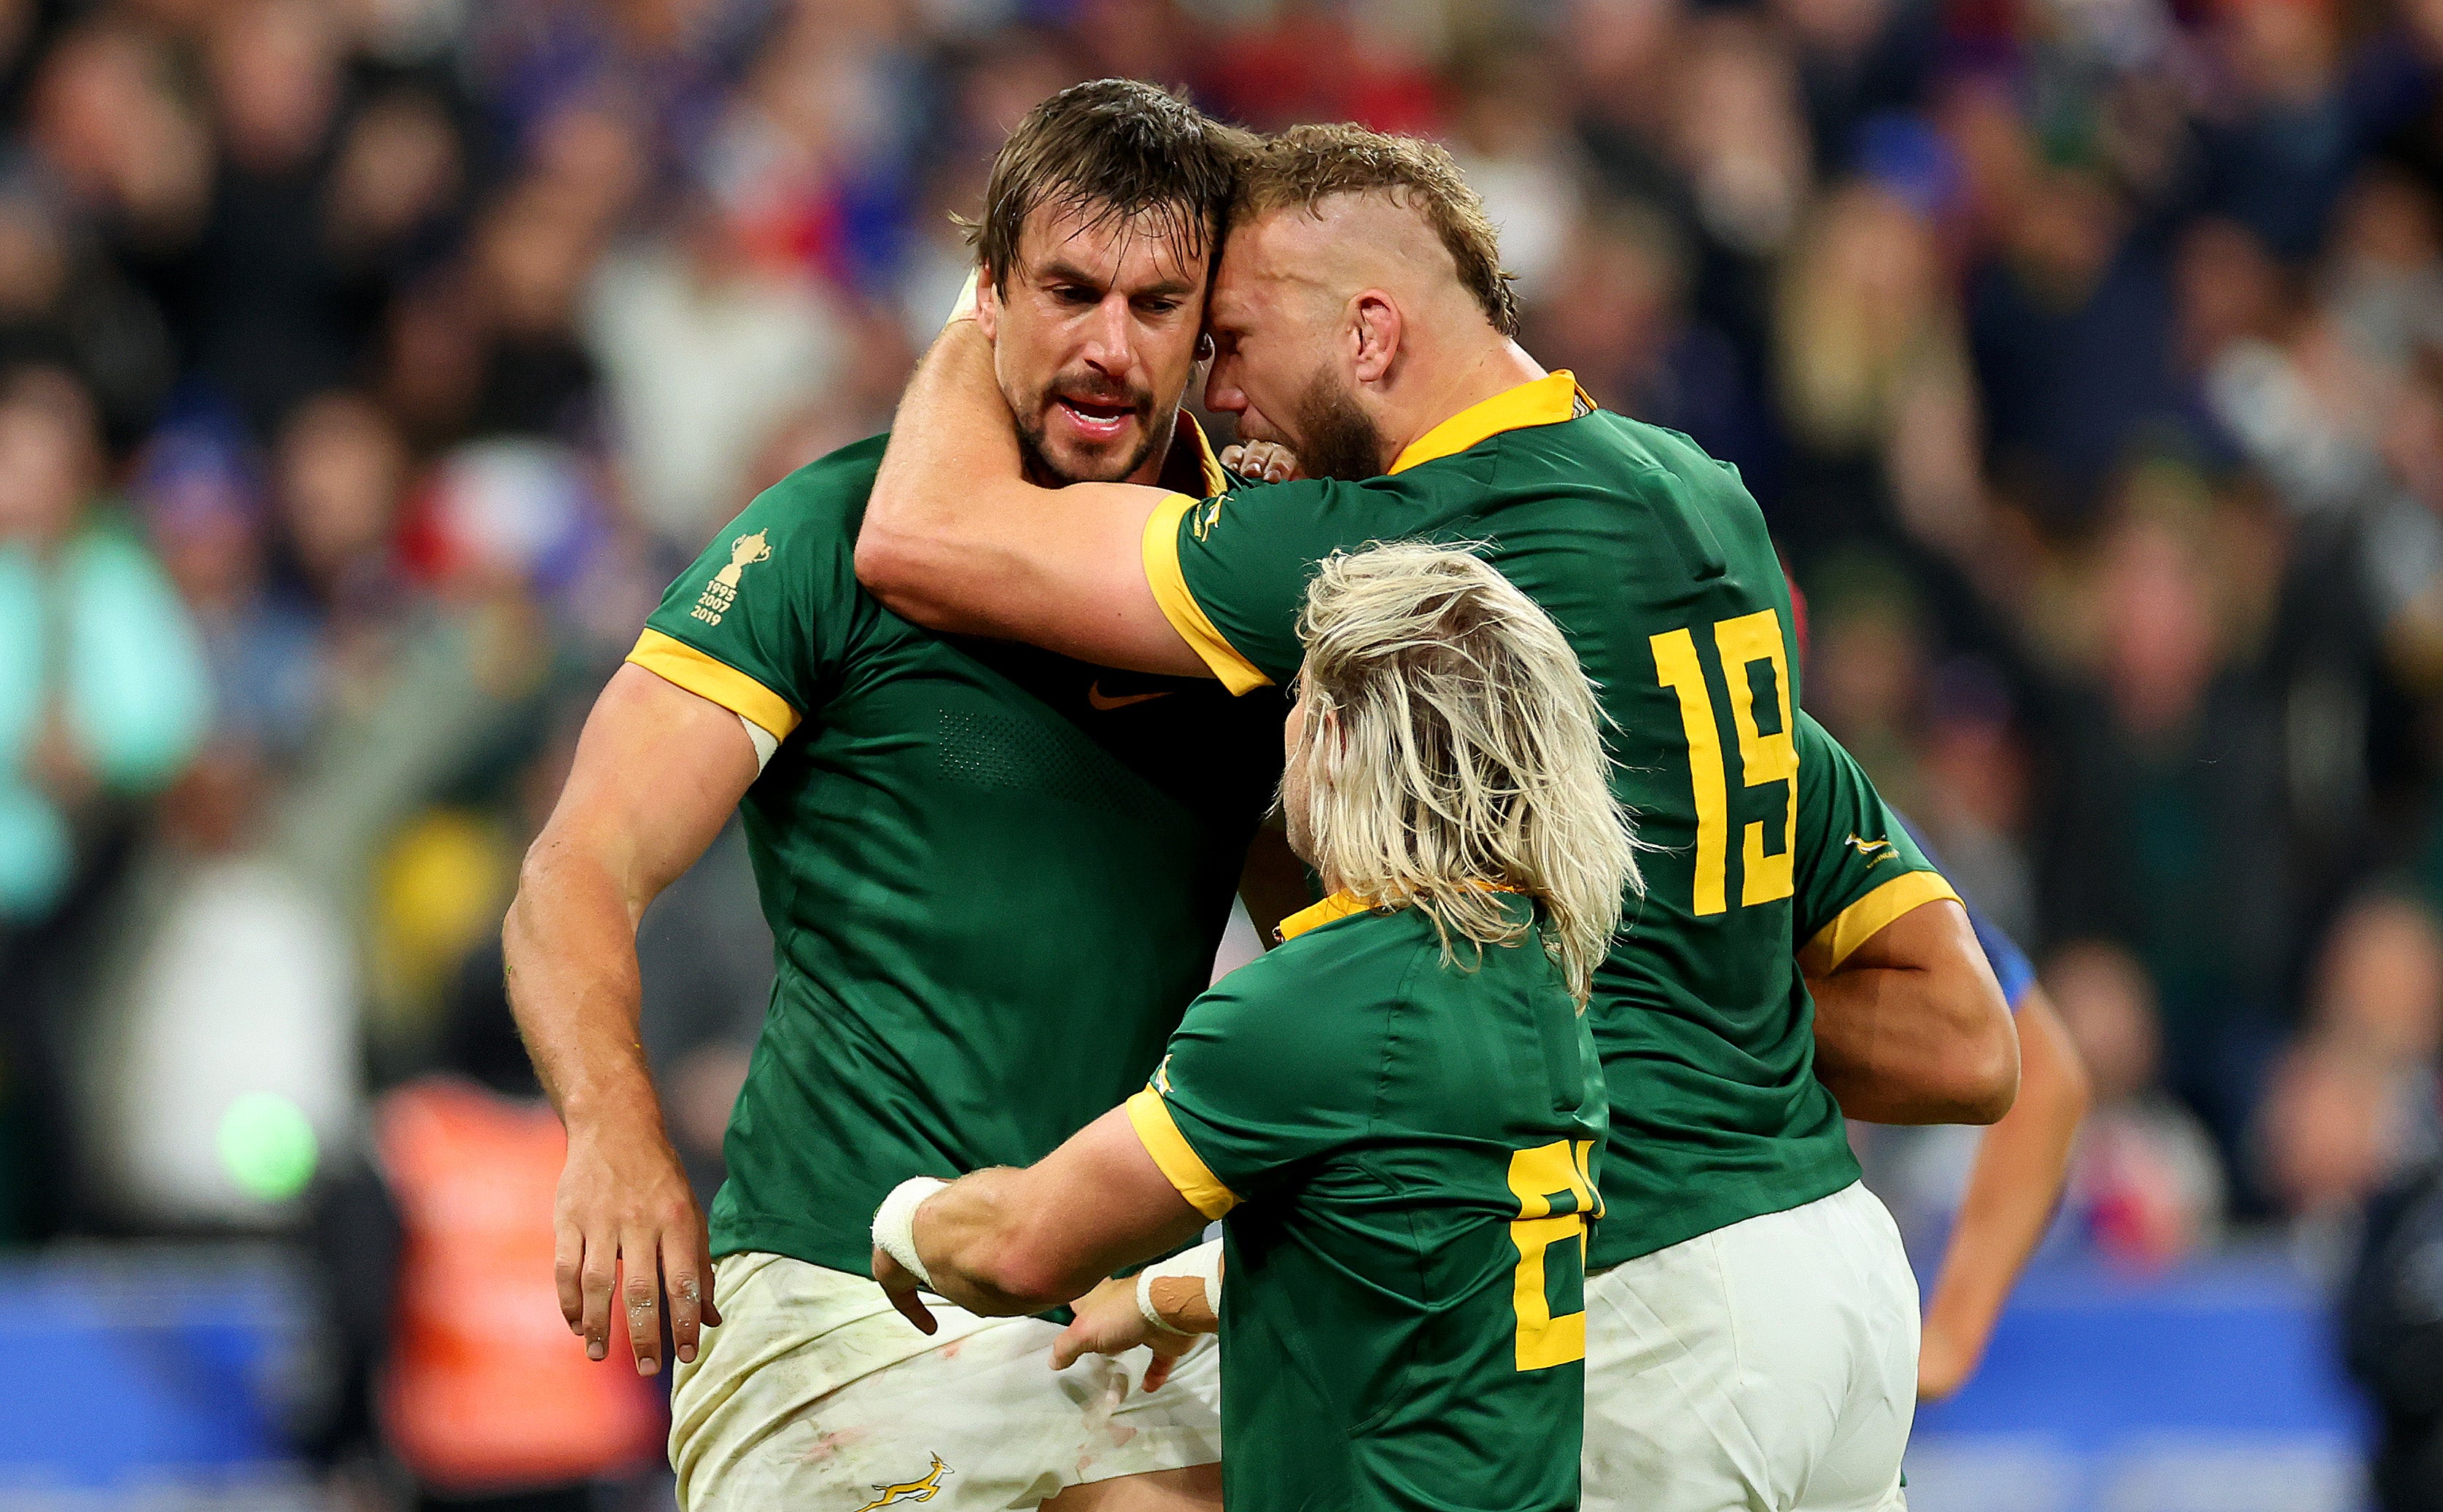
(1096, 696)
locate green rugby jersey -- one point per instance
(1400, 1152)
(995, 877)
(1656, 563)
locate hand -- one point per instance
(1943, 1363)
(1264, 461)
(1109, 1322)
(625, 1209)
(900, 1286)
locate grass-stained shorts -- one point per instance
(816, 1396)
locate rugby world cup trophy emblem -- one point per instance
(743, 553)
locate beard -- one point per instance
(1058, 465)
(1335, 438)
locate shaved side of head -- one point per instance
(1355, 239)
(1391, 188)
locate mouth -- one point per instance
(1096, 420)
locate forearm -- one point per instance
(570, 946)
(975, 1239)
(2013, 1188)
(953, 452)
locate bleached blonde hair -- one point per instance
(1452, 746)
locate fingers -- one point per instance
(1158, 1371)
(912, 1308)
(705, 1302)
(640, 1296)
(597, 1279)
(567, 1263)
(1265, 460)
(685, 1285)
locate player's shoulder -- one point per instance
(1351, 961)
(827, 495)
(802, 530)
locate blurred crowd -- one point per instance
(368, 366)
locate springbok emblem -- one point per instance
(918, 1491)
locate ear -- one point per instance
(1378, 330)
(987, 303)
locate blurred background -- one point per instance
(368, 366)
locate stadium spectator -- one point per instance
(2145, 1185)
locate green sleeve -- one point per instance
(1858, 869)
(1256, 1086)
(763, 621)
(1230, 572)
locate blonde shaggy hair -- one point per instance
(1452, 746)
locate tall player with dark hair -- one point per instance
(996, 877)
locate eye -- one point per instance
(1161, 305)
(1074, 294)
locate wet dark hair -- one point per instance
(1113, 150)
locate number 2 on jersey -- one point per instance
(1537, 1178)
(1741, 644)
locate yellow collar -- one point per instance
(1339, 906)
(1210, 479)
(1545, 401)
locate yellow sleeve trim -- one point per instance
(1179, 606)
(675, 661)
(1860, 921)
(1186, 1169)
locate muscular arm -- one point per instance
(956, 539)
(1910, 1027)
(1006, 1242)
(658, 771)
(2017, 1179)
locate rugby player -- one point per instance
(1752, 1325)
(995, 875)
(1396, 1113)
(2022, 1164)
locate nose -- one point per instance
(1108, 345)
(1223, 395)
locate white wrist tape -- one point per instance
(894, 1224)
(1203, 1263)
(1146, 1308)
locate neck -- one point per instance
(1167, 440)
(1486, 368)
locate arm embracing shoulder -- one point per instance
(956, 538)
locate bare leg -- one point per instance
(1196, 1488)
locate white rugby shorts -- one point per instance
(1769, 1366)
(816, 1395)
